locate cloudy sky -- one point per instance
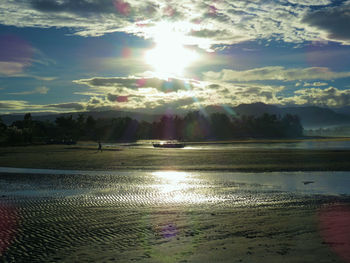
(168, 56)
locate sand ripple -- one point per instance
(118, 216)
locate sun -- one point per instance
(170, 56)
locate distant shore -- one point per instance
(85, 156)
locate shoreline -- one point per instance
(170, 168)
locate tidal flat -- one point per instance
(117, 157)
(173, 216)
(139, 204)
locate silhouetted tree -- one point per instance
(292, 126)
(90, 126)
(3, 136)
(193, 126)
(196, 126)
(220, 126)
(67, 127)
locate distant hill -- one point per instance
(256, 109)
(310, 116)
(343, 110)
(9, 118)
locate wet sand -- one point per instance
(166, 217)
(117, 158)
(58, 231)
(160, 216)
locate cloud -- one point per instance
(18, 105)
(17, 54)
(117, 98)
(310, 2)
(38, 90)
(203, 23)
(276, 73)
(12, 104)
(22, 75)
(329, 97)
(333, 21)
(11, 67)
(145, 93)
(315, 84)
(87, 93)
(132, 84)
(155, 101)
(233, 94)
(151, 98)
(101, 6)
(68, 105)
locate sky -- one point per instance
(161, 56)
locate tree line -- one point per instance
(194, 126)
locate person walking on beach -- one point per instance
(99, 146)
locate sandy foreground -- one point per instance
(55, 232)
(152, 217)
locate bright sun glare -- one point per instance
(170, 56)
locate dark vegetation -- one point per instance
(192, 126)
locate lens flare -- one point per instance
(170, 56)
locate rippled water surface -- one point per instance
(45, 211)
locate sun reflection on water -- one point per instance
(170, 181)
(181, 187)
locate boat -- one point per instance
(169, 144)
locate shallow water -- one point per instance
(75, 216)
(157, 187)
(303, 145)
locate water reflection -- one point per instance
(165, 216)
(182, 187)
(170, 181)
(172, 187)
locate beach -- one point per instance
(87, 157)
(56, 232)
(132, 204)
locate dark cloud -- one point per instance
(95, 100)
(72, 105)
(169, 85)
(74, 6)
(212, 22)
(329, 97)
(214, 86)
(276, 73)
(8, 105)
(117, 98)
(168, 106)
(335, 21)
(206, 33)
